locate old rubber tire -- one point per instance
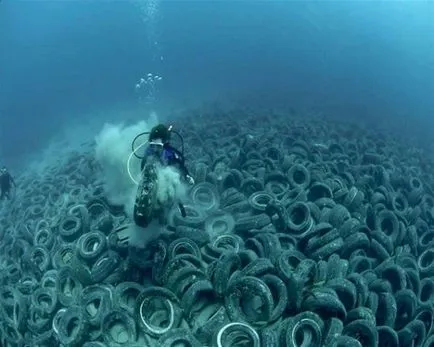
(146, 196)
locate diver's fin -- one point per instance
(182, 210)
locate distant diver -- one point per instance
(6, 182)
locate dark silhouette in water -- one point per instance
(6, 182)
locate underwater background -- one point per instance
(216, 173)
(65, 61)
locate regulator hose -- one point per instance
(134, 149)
(182, 140)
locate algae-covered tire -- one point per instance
(146, 197)
(157, 311)
(45, 301)
(72, 316)
(125, 295)
(98, 300)
(178, 337)
(232, 332)
(91, 245)
(68, 286)
(119, 328)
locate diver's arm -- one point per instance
(12, 180)
(180, 161)
(182, 168)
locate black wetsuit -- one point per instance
(6, 182)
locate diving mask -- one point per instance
(156, 146)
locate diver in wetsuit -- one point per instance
(6, 182)
(159, 145)
(159, 148)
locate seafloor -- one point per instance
(300, 231)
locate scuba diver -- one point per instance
(6, 182)
(159, 145)
(158, 149)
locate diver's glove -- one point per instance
(189, 179)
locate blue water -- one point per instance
(62, 60)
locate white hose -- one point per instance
(129, 160)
